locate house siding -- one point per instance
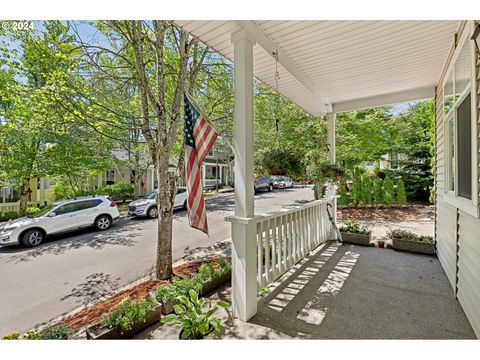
(456, 232)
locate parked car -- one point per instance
(61, 217)
(282, 182)
(263, 183)
(148, 205)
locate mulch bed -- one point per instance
(408, 212)
(97, 312)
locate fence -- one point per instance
(15, 206)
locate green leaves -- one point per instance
(194, 317)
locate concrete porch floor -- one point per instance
(349, 292)
(355, 292)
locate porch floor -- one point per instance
(355, 292)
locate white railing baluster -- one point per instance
(285, 238)
(267, 228)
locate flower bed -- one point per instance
(407, 241)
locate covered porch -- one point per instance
(326, 67)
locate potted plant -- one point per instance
(352, 232)
(212, 275)
(408, 241)
(195, 321)
(326, 173)
(128, 319)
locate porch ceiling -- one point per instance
(340, 65)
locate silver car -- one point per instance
(148, 205)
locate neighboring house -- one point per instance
(217, 167)
(386, 162)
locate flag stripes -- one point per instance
(200, 136)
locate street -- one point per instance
(74, 270)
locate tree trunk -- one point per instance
(24, 187)
(165, 219)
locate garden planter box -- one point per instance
(207, 287)
(413, 246)
(358, 239)
(97, 332)
(211, 285)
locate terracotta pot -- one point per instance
(381, 244)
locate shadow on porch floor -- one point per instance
(354, 292)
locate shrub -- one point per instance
(195, 322)
(367, 190)
(56, 332)
(183, 286)
(32, 335)
(354, 227)
(388, 188)
(401, 194)
(12, 336)
(120, 191)
(166, 293)
(407, 235)
(377, 191)
(8, 215)
(388, 199)
(342, 191)
(213, 270)
(32, 210)
(129, 312)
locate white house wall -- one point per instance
(457, 233)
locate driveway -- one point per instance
(72, 271)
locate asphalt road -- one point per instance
(71, 271)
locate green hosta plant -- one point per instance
(195, 321)
(354, 228)
(129, 312)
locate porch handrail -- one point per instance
(285, 237)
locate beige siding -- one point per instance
(468, 285)
(457, 233)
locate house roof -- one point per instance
(340, 65)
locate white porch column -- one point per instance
(244, 268)
(331, 117)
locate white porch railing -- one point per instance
(286, 237)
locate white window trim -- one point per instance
(451, 197)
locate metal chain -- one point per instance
(277, 98)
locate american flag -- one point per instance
(199, 138)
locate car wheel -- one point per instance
(32, 238)
(103, 222)
(152, 212)
(185, 205)
(270, 187)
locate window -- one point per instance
(459, 113)
(464, 145)
(87, 204)
(65, 209)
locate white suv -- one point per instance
(63, 216)
(148, 205)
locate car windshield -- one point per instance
(151, 195)
(42, 212)
(281, 178)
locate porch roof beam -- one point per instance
(262, 39)
(385, 99)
